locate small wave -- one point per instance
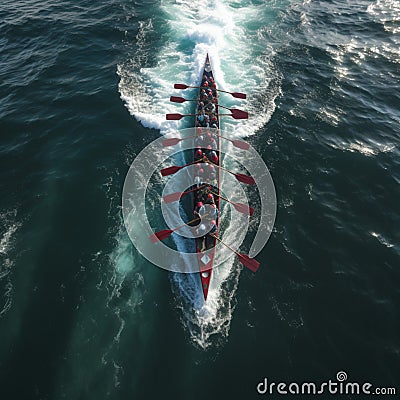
(387, 13)
(287, 312)
(125, 281)
(382, 239)
(9, 228)
(363, 148)
(330, 116)
(5, 241)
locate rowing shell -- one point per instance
(207, 125)
(206, 181)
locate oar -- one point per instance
(234, 94)
(248, 180)
(161, 235)
(176, 117)
(242, 208)
(176, 99)
(240, 144)
(237, 114)
(248, 262)
(170, 198)
(237, 143)
(172, 141)
(175, 168)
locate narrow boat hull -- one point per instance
(208, 129)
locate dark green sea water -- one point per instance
(84, 87)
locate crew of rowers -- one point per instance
(206, 152)
(206, 109)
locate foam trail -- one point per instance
(195, 29)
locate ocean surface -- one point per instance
(84, 87)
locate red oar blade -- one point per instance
(248, 262)
(239, 114)
(176, 99)
(170, 142)
(170, 198)
(243, 208)
(155, 237)
(240, 144)
(180, 86)
(248, 180)
(239, 95)
(170, 170)
(174, 117)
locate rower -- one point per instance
(200, 117)
(209, 141)
(202, 194)
(198, 154)
(213, 225)
(210, 107)
(214, 213)
(201, 229)
(212, 229)
(202, 209)
(197, 181)
(199, 206)
(212, 175)
(210, 168)
(199, 141)
(212, 156)
(201, 232)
